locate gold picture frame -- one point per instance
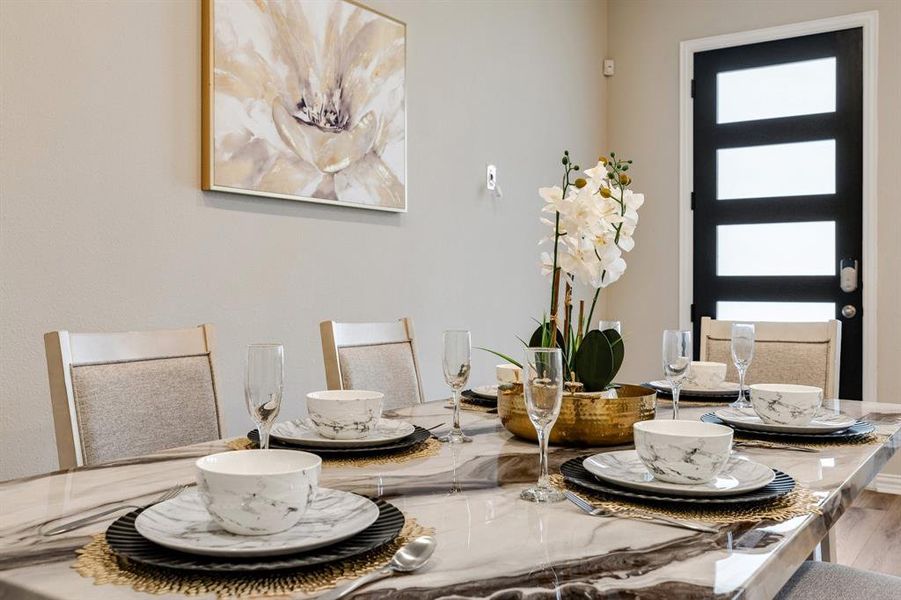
(332, 136)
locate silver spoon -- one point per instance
(407, 559)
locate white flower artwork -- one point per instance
(305, 100)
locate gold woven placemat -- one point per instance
(97, 561)
(468, 406)
(797, 503)
(692, 403)
(870, 438)
(430, 447)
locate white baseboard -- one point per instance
(886, 483)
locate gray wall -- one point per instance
(103, 226)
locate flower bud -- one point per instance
(580, 183)
(625, 179)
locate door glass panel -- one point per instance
(797, 169)
(787, 90)
(775, 311)
(776, 249)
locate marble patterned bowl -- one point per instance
(786, 404)
(686, 452)
(706, 375)
(345, 414)
(258, 492)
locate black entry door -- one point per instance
(778, 163)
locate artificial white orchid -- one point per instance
(594, 223)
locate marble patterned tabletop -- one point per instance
(491, 544)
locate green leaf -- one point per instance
(540, 340)
(504, 356)
(618, 348)
(594, 361)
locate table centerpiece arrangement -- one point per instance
(592, 217)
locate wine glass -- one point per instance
(614, 325)
(676, 362)
(742, 353)
(543, 378)
(264, 385)
(457, 350)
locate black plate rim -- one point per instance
(474, 399)
(754, 497)
(473, 393)
(418, 436)
(713, 397)
(390, 518)
(842, 435)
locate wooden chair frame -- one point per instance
(337, 335)
(66, 350)
(829, 332)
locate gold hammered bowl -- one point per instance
(586, 419)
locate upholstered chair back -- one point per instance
(373, 356)
(800, 353)
(120, 395)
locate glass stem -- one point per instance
(456, 429)
(264, 436)
(543, 478)
(676, 390)
(741, 385)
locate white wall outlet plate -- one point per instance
(609, 67)
(491, 178)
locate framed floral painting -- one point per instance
(304, 100)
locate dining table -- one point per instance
(490, 543)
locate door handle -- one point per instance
(848, 275)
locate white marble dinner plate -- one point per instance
(824, 422)
(302, 432)
(726, 387)
(487, 391)
(625, 468)
(184, 524)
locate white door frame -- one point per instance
(869, 21)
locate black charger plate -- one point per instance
(858, 430)
(418, 436)
(470, 397)
(575, 473)
(125, 541)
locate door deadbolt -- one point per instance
(848, 275)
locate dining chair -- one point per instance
(816, 580)
(800, 353)
(373, 356)
(116, 395)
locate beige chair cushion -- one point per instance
(804, 363)
(133, 408)
(386, 368)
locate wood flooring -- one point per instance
(868, 535)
